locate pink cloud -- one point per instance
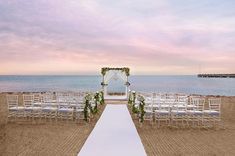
(158, 37)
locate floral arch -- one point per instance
(110, 73)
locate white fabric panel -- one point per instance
(111, 73)
(108, 76)
(114, 135)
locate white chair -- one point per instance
(62, 97)
(79, 112)
(65, 111)
(28, 104)
(196, 110)
(65, 106)
(37, 98)
(168, 100)
(37, 105)
(213, 114)
(148, 109)
(49, 106)
(156, 101)
(13, 106)
(162, 114)
(74, 98)
(179, 114)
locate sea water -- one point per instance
(189, 84)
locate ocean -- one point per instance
(189, 84)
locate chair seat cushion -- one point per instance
(148, 111)
(165, 106)
(179, 112)
(179, 106)
(28, 108)
(195, 112)
(65, 110)
(162, 112)
(191, 106)
(37, 108)
(211, 112)
(49, 109)
(79, 110)
(13, 109)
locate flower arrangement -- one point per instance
(87, 102)
(130, 98)
(133, 97)
(125, 69)
(96, 100)
(101, 97)
(141, 99)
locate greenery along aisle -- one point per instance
(97, 98)
(88, 107)
(133, 99)
(141, 108)
(101, 97)
(130, 98)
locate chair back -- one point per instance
(62, 97)
(214, 104)
(156, 99)
(37, 98)
(170, 99)
(198, 102)
(47, 97)
(148, 108)
(28, 100)
(148, 99)
(182, 99)
(12, 101)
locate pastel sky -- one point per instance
(149, 36)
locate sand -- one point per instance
(172, 141)
(68, 138)
(44, 138)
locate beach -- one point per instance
(192, 141)
(117, 78)
(67, 138)
(27, 138)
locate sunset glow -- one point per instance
(150, 37)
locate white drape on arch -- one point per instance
(113, 73)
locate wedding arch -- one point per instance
(115, 73)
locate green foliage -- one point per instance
(87, 101)
(125, 69)
(96, 100)
(130, 98)
(101, 97)
(141, 108)
(131, 101)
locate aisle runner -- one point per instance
(114, 135)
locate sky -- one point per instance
(152, 37)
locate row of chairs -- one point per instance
(61, 105)
(179, 109)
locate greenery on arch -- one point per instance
(124, 69)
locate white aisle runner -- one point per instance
(114, 135)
